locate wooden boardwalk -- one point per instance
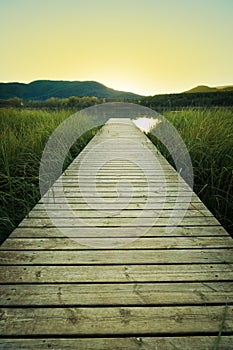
(91, 285)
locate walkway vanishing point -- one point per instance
(106, 290)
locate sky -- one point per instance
(144, 46)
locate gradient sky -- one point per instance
(144, 46)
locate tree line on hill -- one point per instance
(166, 101)
(200, 99)
(73, 102)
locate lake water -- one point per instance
(146, 124)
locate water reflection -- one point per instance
(146, 124)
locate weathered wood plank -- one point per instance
(130, 213)
(184, 231)
(105, 185)
(140, 243)
(117, 222)
(155, 174)
(131, 200)
(120, 273)
(156, 256)
(120, 194)
(106, 181)
(116, 294)
(120, 343)
(156, 190)
(123, 205)
(115, 320)
(85, 257)
(112, 187)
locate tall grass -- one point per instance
(208, 134)
(23, 135)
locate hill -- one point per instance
(225, 88)
(219, 98)
(204, 88)
(44, 89)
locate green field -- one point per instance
(207, 133)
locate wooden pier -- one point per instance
(79, 282)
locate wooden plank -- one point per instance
(130, 213)
(104, 163)
(157, 175)
(120, 343)
(129, 256)
(131, 200)
(126, 206)
(114, 179)
(113, 193)
(124, 185)
(67, 243)
(183, 231)
(117, 222)
(120, 256)
(106, 179)
(115, 320)
(118, 273)
(116, 294)
(104, 183)
(123, 172)
(137, 186)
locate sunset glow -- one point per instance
(146, 47)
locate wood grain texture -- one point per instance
(115, 257)
(115, 273)
(136, 293)
(183, 231)
(114, 320)
(120, 343)
(115, 221)
(125, 243)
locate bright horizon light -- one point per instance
(146, 47)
